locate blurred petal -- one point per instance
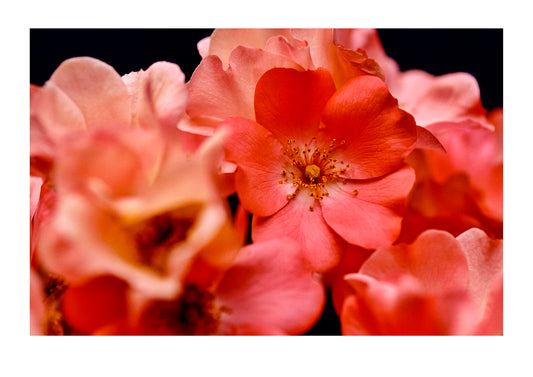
(271, 285)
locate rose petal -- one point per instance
(377, 134)
(322, 247)
(434, 255)
(271, 285)
(260, 164)
(368, 217)
(97, 89)
(289, 103)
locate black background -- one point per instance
(438, 51)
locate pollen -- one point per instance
(312, 173)
(311, 167)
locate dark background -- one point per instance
(438, 51)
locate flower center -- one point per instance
(310, 167)
(156, 236)
(312, 173)
(193, 313)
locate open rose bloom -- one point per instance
(292, 168)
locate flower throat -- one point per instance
(311, 167)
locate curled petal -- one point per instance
(158, 95)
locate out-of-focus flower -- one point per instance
(125, 200)
(131, 205)
(461, 187)
(321, 165)
(269, 290)
(85, 94)
(439, 285)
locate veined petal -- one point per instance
(259, 158)
(289, 103)
(365, 213)
(322, 247)
(377, 134)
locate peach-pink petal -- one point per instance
(271, 285)
(389, 191)
(378, 135)
(430, 99)
(321, 246)
(435, 259)
(298, 51)
(97, 89)
(400, 306)
(367, 218)
(485, 263)
(368, 40)
(35, 193)
(83, 241)
(218, 93)
(37, 308)
(223, 41)
(53, 118)
(260, 160)
(158, 95)
(492, 320)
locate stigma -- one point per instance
(312, 167)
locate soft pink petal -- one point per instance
(53, 118)
(97, 89)
(450, 97)
(492, 321)
(485, 262)
(377, 134)
(35, 193)
(321, 246)
(389, 191)
(435, 259)
(298, 51)
(259, 158)
(368, 40)
(220, 94)
(289, 103)
(401, 307)
(82, 240)
(223, 41)
(368, 217)
(158, 95)
(37, 308)
(271, 285)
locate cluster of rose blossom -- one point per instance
(380, 187)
